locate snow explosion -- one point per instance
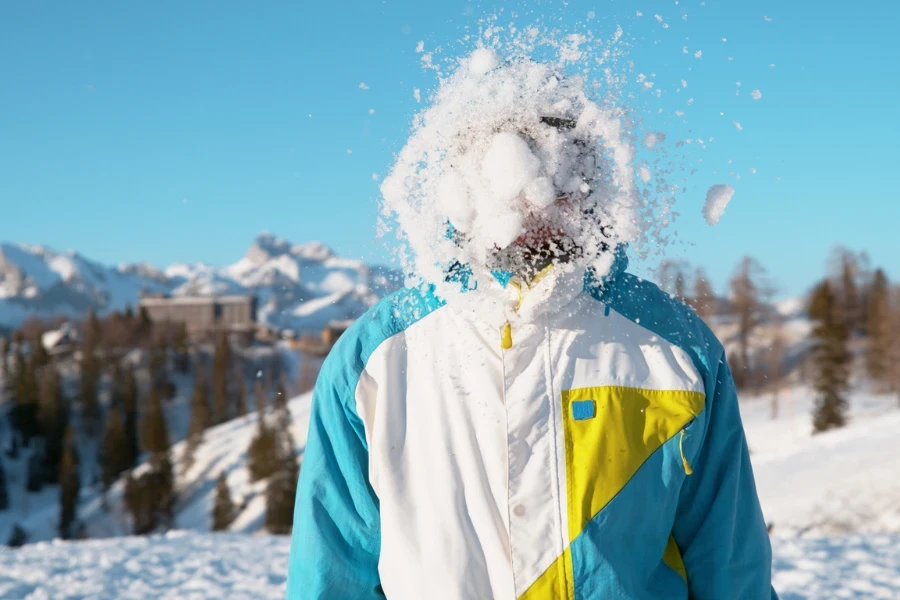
(515, 165)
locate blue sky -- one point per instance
(177, 131)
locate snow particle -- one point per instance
(638, 14)
(371, 111)
(756, 94)
(420, 47)
(363, 86)
(375, 177)
(698, 54)
(644, 173)
(684, 83)
(417, 94)
(738, 126)
(767, 19)
(349, 150)
(717, 198)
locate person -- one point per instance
(584, 444)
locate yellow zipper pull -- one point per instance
(506, 336)
(687, 467)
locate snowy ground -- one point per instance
(834, 500)
(195, 566)
(837, 483)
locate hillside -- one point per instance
(833, 498)
(299, 286)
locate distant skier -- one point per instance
(537, 423)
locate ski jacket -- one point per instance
(595, 452)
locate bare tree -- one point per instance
(749, 289)
(776, 351)
(703, 300)
(672, 278)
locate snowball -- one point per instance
(483, 60)
(509, 165)
(539, 192)
(717, 199)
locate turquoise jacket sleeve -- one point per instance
(336, 537)
(719, 526)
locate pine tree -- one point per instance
(90, 373)
(39, 353)
(259, 392)
(832, 358)
(159, 364)
(878, 327)
(282, 485)
(182, 349)
(27, 397)
(852, 302)
(150, 497)
(4, 357)
(704, 298)
(53, 419)
(154, 432)
(223, 510)
(221, 368)
(200, 417)
(281, 396)
(281, 490)
(69, 487)
(748, 287)
(263, 453)
(115, 447)
(4, 495)
(241, 396)
(129, 392)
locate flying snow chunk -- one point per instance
(540, 192)
(717, 198)
(420, 47)
(509, 165)
(482, 61)
(698, 54)
(644, 173)
(363, 86)
(653, 138)
(417, 94)
(756, 94)
(738, 126)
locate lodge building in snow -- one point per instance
(204, 316)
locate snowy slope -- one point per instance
(223, 450)
(834, 500)
(836, 483)
(299, 286)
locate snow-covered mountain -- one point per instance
(299, 286)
